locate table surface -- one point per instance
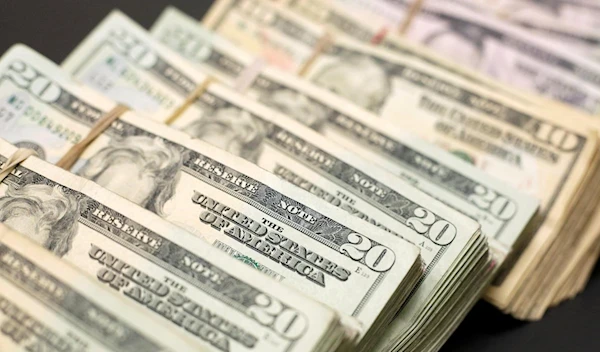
(55, 27)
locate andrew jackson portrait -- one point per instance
(43, 213)
(142, 169)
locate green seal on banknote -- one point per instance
(247, 260)
(464, 156)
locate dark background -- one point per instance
(55, 27)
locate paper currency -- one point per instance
(236, 126)
(404, 92)
(252, 216)
(119, 126)
(564, 36)
(532, 293)
(114, 64)
(237, 133)
(342, 132)
(571, 35)
(426, 167)
(217, 301)
(48, 305)
(281, 40)
(583, 13)
(341, 21)
(510, 55)
(302, 157)
(183, 35)
(363, 133)
(359, 131)
(487, 44)
(35, 96)
(267, 142)
(479, 125)
(585, 41)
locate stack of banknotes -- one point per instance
(529, 142)
(474, 36)
(284, 176)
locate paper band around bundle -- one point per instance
(413, 11)
(190, 99)
(322, 44)
(249, 75)
(18, 157)
(71, 157)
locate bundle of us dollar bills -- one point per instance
(541, 56)
(274, 183)
(242, 210)
(564, 23)
(457, 184)
(474, 39)
(457, 258)
(218, 303)
(48, 305)
(508, 134)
